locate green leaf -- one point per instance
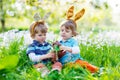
(56, 48)
(9, 62)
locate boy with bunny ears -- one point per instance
(39, 51)
(69, 46)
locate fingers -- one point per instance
(62, 47)
(51, 55)
(64, 51)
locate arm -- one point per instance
(37, 58)
(73, 50)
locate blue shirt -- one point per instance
(39, 49)
(69, 57)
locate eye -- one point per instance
(40, 35)
(67, 31)
(62, 30)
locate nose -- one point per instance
(43, 36)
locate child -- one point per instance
(38, 51)
(69, 45)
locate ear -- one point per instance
(70, 12)
(79, 14)
(46, 15)
(36, 17)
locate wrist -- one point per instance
(69, 49)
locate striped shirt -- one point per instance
(39, 49)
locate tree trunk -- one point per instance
(2, 16)
(3, 24)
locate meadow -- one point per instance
(99, 38)
(99, 49)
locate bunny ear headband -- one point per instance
(77, 16)
(39, 20)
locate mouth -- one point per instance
(63, 35)
(42, 40)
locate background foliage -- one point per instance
(99, 15)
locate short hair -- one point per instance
(70, 24)
(37, 27)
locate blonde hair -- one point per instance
(37, 27)
(71, 23)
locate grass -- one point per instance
(106, 56)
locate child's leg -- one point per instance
(57, 66)
(88, 66)
(42, 68)
(39, 65)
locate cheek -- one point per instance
(70, 34)
(60, 33)
(45, 37)
(38, 37)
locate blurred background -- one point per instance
(100, 15)
(99, 37)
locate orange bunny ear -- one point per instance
(79, 14)
(70, 12)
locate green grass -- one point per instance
(106, 56)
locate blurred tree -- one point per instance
(15, 12)
(4, 5)
(2, 18)
(99, 4)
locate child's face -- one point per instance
(40, 37)
(65, 33)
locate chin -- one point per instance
(64, 39)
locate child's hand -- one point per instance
(53, 54)
(50, 55)
(54, 57)
(65, 48)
